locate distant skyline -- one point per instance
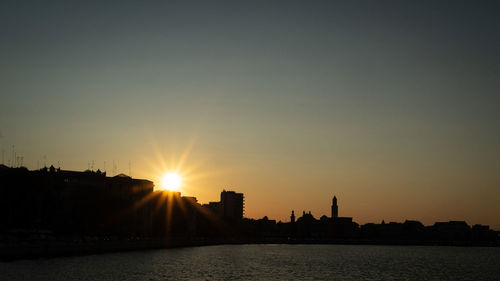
(391, 106)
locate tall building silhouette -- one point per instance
(232, 204)
(335, 208)
(292, 217)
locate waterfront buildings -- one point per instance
(52, 202)
(230, 206)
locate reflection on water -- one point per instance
(269, 262)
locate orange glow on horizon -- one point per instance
(172, 169)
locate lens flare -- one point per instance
(171, 181)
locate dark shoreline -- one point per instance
(21, 251)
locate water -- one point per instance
(269, 262)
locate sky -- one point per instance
(392, 106)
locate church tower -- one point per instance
(292, 217)
(335, 208)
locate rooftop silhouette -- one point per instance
(51, 204)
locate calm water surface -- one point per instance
(269, 262)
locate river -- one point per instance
(269, 262)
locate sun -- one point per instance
(171, 181)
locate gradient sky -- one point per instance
(393, 106)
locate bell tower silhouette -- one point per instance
(335, 208)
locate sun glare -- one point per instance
(171, 181)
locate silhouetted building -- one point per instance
(452, 230)
(70, 202)
(335, 208)
(232, 204)
(216, 208)
(55, 203)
